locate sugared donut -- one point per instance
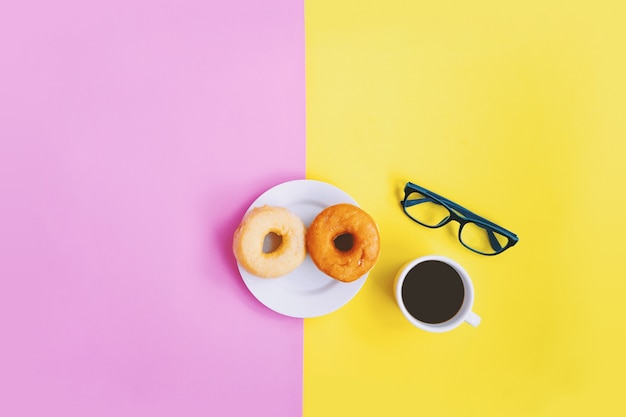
(249, 238)
(343, 242)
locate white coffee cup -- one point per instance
(435, 294)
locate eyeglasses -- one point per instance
(475, 233)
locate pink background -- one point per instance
(133, 136)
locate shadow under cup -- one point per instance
(435, 294)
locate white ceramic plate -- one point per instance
(306, 291)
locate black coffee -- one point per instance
(433, 292)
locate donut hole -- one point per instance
(344, 242)
(271, 242)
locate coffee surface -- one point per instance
(433, 292)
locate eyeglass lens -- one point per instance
(481, 239)
(424, 210)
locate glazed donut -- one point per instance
(249, 238)
(343, 242)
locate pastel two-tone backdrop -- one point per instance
(135, 134)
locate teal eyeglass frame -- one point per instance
(461, 215)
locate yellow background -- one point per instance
(515, 110)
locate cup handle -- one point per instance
(473, 319)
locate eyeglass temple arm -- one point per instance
(414, 202)
(470, 214)
(493, 241)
